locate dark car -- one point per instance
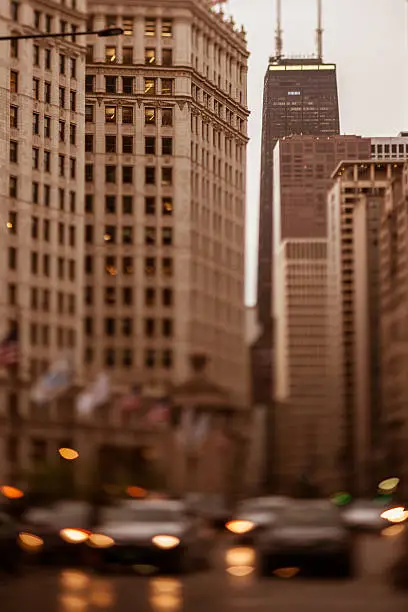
(253, 516)
(160, 534)
(309, 534)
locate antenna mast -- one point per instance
(319, 31)
(278, 37)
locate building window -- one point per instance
(167, 117)
(72, 100)
(150, 296)
(72, 61)
(150, 266)
(150, 358)
(127, 145)
(47, 92)
(110, 55)
(150, 175)
(150, 145)
(13, 117)
(127, 25)
(62, 63)
(127, 204)
(167, 146)
(150, 57)
(127, 85)
(35, 158)
(127, 296)
(167, 236)
(110, 84)
(46, 230)
(35, 190)
(89, 203)
(89, 173)
(127, 234)
(12, 258)
(109, 357)
(167, 28)
(167, 328)
(14, 50)
(61, 165)
(110, 144)
(110, 114)
(89, 143)
(167, 176)
(13, 152)
(89, 83)
(61, 131)
(110, 234)
(110, 265)
(62, 97)
(110, 204)
(12, 294)
(13, 81)
(127, 174)
(127, 326)
(127, 114)
(150, 328)
(89, 265)
(61, 198)
(89, 234)
(48, 59)
(127, 265)
(47, 161)
(37, 20)
(47, 195)
(13, 190)
(48, 23)
(167, 57)
(12, 223)
(150, 28)
(167, 87)
(36, 89)
(89, 113)
(167, 359)
(89, 54)
(47, 126)
(167, 266)
(72, 167)
(110, 174)
(127, 55)
(150, 87)
(150, 206)
(150, 236)
(14, 11)
(150, 116)
(34, 262)
(110, 326)
(36, 123)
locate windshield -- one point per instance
(141, 515)
(260, 505)
(310, 517)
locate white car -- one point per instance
(365, 515)
(160, 534)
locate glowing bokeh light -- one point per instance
(99, 540)
(74, 580)
(239, 571)
(68, 453)
(11, 492)
(389, 485)
(341, 499)
(74, 536)
(165, 542)
(30, 542)
(287, 572)
(240, 527)
(136, 492)
(393, 530)
(240, 556)
(395, 515)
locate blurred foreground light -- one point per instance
(166, 542)
(30, 542)
(72, 603)
(389, 485)
(395, 515)
(341, 499)
(99, 540)
(74, 580)
(239, 571)
(240, 527)
(11, 492)
(240, 556)
(287, 572)
(68, 453)
(74, 536)
(393, 530)
(165, 595)
(136, 492)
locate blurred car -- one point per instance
(10, 552)
(365, 515)
(61, 528)
(210, 507)
(307, 534)
(161, 534)
(254, 515)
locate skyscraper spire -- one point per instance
(278, 36)
(319, 31)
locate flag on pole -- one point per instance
(132, 400)
(193, 428)
(9, 353)
(96, 394)
(55, 382)
(160, 411)
(201, 428)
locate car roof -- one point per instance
(162, 504)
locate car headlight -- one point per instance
(99, 540)
(165, 541)
(240, 527)
(74, 536)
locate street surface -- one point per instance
(72, 590)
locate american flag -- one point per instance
(9, 354)
(132, 400)
(160, 411)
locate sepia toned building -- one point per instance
(353, 234)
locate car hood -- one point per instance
(140, 531)
(309, 534)
(258, 517)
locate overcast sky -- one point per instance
(367, 39)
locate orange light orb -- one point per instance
(136, 492)
(11, 492)
(69, 454)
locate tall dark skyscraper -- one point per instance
(300, 97)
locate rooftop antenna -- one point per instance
(278, 36)
(319, 31)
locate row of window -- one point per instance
(126, 23)
(14, 189)
(47, 92)
(127, 144)
(65, 267)
(166, 175)
(151, 115)
(126, 55)
(150, 294)
(66, 302)
(112, 231)
(44, 23)
(125, 327)
(124, 357)
(150, 269)
(127, 83)
(127, 205)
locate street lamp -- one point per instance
(101, 33)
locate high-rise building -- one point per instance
(302, 177)
(41, 180)
(393, 317)
(165, 147)
(300, 97)
(352, 279)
